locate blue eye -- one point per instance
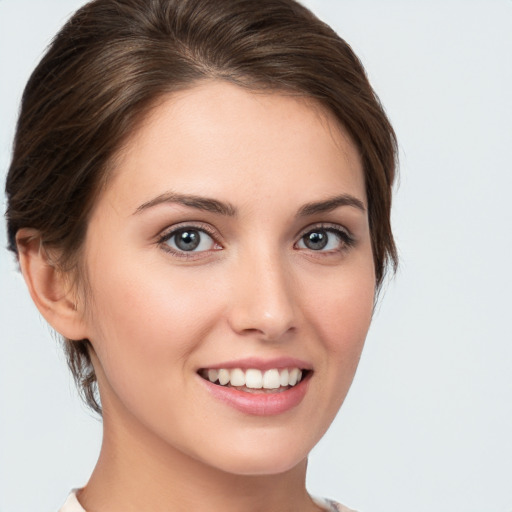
(325, 239)
(189, 240)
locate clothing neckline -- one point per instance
(73, 505)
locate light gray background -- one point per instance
(428, 423)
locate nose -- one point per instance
(263, 300)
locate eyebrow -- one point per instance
(201, 203)
(330, 204)
(227, 209)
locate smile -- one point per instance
(253, 380)
(258, 387)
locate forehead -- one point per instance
(223, 140)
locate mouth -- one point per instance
(254, 380)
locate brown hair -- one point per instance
(114, 58)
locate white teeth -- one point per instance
(254, 378)
(293, 377)
(271, 379)
(224, 377)
(237, 377)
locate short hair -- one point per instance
(114, 59)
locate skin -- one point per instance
(256, 290)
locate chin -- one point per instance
(261, 466)
(265, 457)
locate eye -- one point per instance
(325, 239)
(188, 239)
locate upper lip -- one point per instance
(261, 364)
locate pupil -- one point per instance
(187, 240)
(316, 240)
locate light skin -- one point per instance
(277, 172)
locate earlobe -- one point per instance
(49, 287)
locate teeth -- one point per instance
(213, 375)
(294, 375)
(254, 378)
(224, 377)
(237, 377)
(271, 379)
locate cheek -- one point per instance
(341, 313)
(144, 320)
(343, 307)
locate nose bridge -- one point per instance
(264, 298)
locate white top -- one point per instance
(72, 505)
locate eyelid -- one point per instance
(348, 242)
(166, 233)
(170, 231)
(326, 226)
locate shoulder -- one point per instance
(331, 506)
(72, 504)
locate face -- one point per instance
(228, 258)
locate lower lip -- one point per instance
(260, 404)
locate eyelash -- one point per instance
(346, 238)
(167, 235)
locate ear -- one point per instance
(49, 287)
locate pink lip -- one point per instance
(262, 364)
(260, 403)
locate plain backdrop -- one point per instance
(428, 422)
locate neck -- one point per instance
(138, 471)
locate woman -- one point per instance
(199, 200)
